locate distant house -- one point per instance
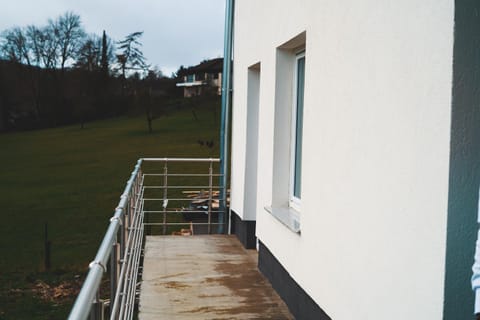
(202, 79)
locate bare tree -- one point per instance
(69, 33)
(43, 46)
(50, 47)
(35, 43)
(18, 48)
(89, 54)
(14, 46)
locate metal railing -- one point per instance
(181, 193)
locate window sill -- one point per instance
(287, 216)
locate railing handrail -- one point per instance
(82, 305)
(90, 288)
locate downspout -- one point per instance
(225, 115)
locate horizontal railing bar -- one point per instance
(179, 223)
(178, 199)
(182, 175)
(182, 187)
(183, 211)
(182, 159)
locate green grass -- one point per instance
(72, 178)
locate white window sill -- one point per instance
(287, 216)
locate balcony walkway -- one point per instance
(205, 277)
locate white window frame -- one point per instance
(294, 201)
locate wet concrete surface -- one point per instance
(205, 277)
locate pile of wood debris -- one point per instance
(56, 293)
(184, 232)
(201, 198)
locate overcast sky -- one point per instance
(176, 32)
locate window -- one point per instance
(297, 132)
(288, 132)
(190, 78)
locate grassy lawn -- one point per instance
(72, 178)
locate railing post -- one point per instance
(126, 225)
(122, 236)
(113, 274)
(165, 199)
(210, 191)
(96, 313)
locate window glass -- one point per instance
(297, 175)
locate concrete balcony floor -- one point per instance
(205, 277)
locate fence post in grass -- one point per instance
(47, 245)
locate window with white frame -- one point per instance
(297, 132)
(288, 132)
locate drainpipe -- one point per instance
(224, 125)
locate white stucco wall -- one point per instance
(375, 152)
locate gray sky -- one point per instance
(176, 32)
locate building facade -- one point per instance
(356, 152)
